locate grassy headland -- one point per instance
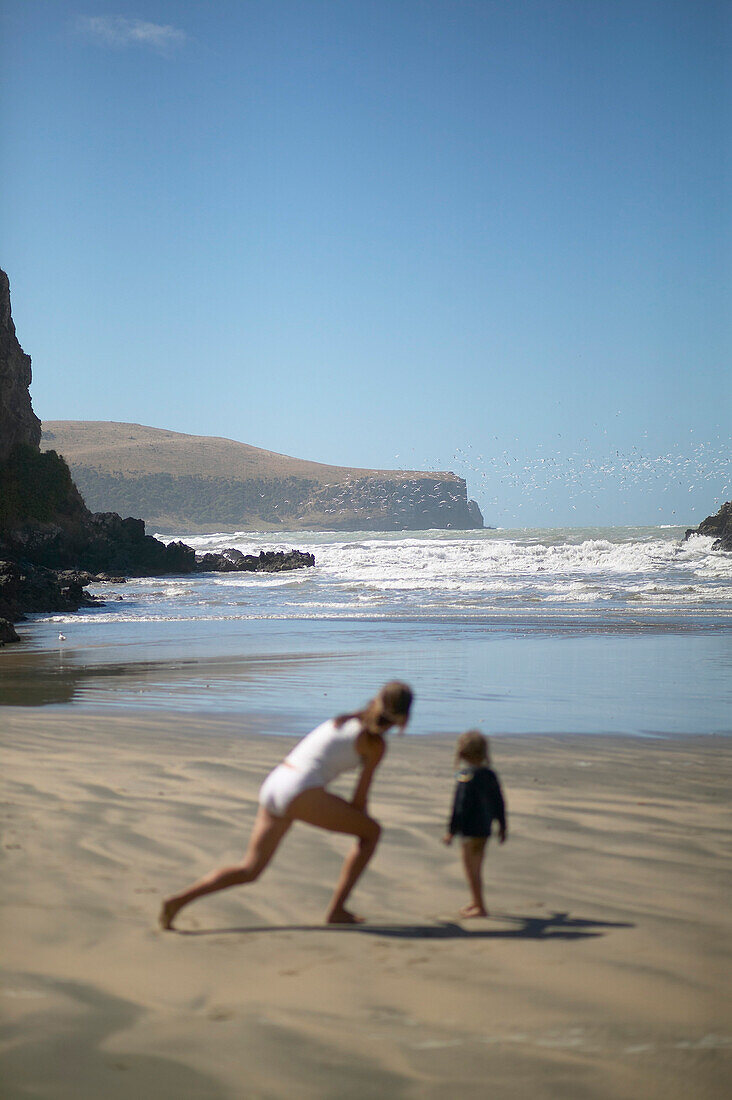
(176, 480)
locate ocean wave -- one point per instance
(438, 575)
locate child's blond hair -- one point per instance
(473, 748)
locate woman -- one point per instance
(296, 791)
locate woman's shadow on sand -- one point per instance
(555, 926)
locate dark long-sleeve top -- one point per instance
(477, 803)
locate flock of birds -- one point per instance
(504, 483)
(578, 480)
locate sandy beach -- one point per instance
(602, 972)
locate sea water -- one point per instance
(594, 630)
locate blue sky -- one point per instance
(492, 237)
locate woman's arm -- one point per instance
(371, 748)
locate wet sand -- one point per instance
(603, 971)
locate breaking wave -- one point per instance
(441, 574)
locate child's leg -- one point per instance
(473, 853)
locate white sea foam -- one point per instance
(642, 620)
(441, 574)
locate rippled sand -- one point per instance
(603, 971)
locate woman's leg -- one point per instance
(318, 807)
(473, 853)
(266, 835)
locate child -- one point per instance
(477, 802)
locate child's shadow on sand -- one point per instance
(555, 926)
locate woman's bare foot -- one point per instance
(473, 911)
(343, 916)
(168, 912)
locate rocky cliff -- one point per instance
(372, 503)
(43, 518)
(18, 422)
(51, 545)
(379, 503)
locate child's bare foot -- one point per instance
(473, 911)
(168, 913)
(343, 916)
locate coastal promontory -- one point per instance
(194, 483)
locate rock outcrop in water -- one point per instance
(718, 526)
(51, 545)
(266, 561)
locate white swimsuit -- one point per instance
(325, 753)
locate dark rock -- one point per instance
(102, 542)
(8, 633)
(233, 554)
(215, 563)
(25, 587)
(18, 422)
(51, 546)
(73, 576)
(267, 561)
(279, 561)
(718, 526)
(476, 516)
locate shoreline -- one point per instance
(228, 724)
(602, 973)
(580, 682)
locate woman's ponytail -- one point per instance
(390, 707)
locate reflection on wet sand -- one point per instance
(42, 679)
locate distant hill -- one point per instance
(182, 482)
